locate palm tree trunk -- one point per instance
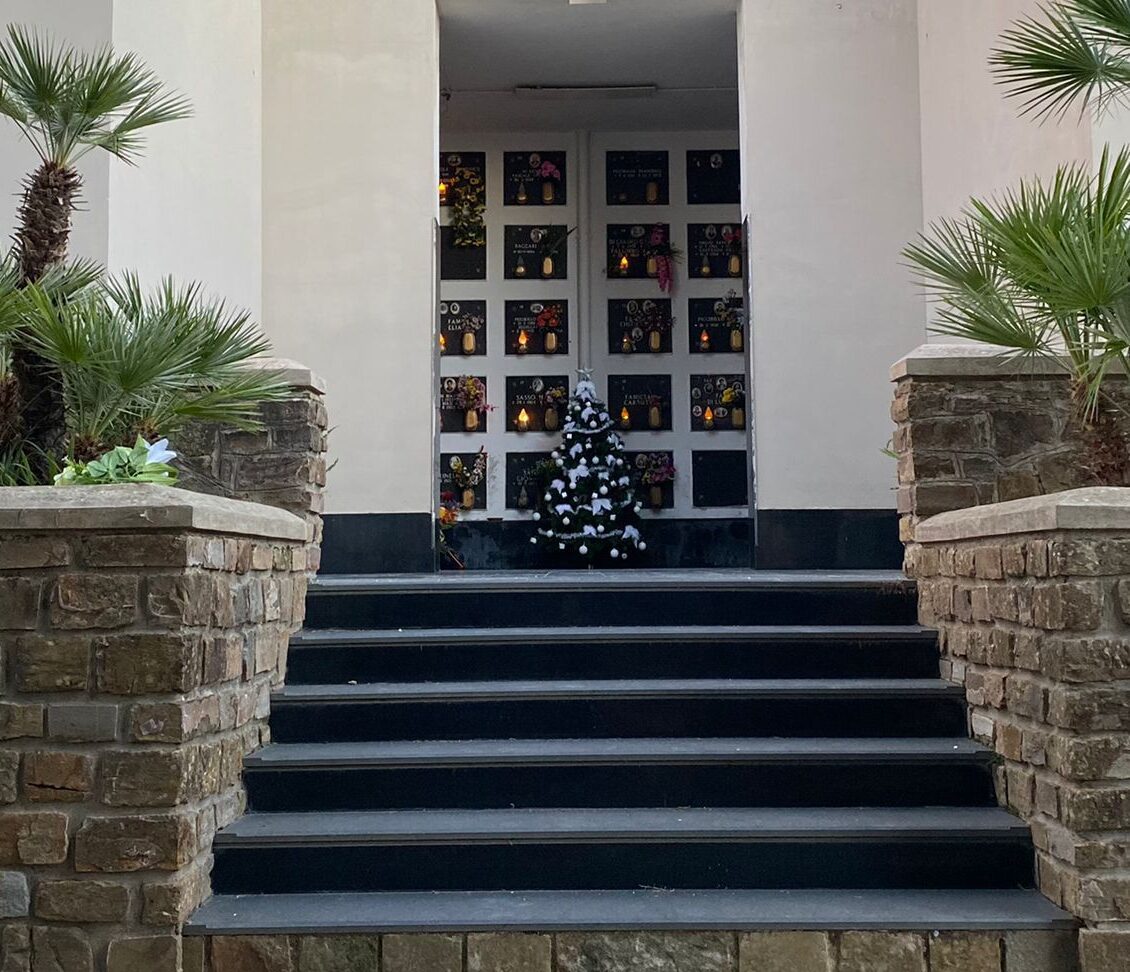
(50, 195)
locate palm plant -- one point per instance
(1077, 52)
(1042, 270)
(134, 364)
(66, 103)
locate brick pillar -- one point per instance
(141, 630)
(282, 465)
(1032, 602)
(972, 427)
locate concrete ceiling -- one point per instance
(688, 48)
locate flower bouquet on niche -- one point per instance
(471, 396)
(662, 257)
(655, 470)
(468, 203)
(467, 479)
(550, 177)
(446, 520)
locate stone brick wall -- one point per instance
(849, 951)
(283, 465)
(1032, 602)
(141, 630)
(973, 428)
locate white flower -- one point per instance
(159, 451)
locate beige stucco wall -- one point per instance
(85, 25)
(193, 207)
(974, 140)
(833, 191)
(350, 110)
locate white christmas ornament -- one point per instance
(615, 553)
(583, 550)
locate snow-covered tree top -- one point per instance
(586, 391)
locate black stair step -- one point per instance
(619, 708)
(359, 828)
(957, 910)
(620, 773)
(871, 847)
(678, 651)
(610, 597)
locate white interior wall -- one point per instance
(350, 125)
(833, 190)
(193, 206)
(86, 25)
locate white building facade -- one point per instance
(305, 188)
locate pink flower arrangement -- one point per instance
(549, 171)
(660, 248)
(658, 469)
(472, 394)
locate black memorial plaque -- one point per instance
(637, 178)
(639, 463)
(452, 415)
(450, 486)
(545, 324)
(543, 398)
(460, 262)
(463, 326)
(523, 479)
(628, 250)
(714, 177)
(460, 171)
(718, 402)
(717, 325)
(647, 399)
(641, 325)
(719, 478)
(714, 250)
(534, 179)
(529, 251)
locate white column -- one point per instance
(833, 191)
(974, 140)
(192, 208)
(85, 24)
(351, 131)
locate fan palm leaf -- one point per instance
(1041, 270)
(135, 362)
(1076, 53)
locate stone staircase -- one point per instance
(626, 751)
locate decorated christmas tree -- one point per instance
(588, 511)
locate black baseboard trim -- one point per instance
(505, 545)
(828, 539)
(379, 543)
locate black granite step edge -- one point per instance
(549, 911)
